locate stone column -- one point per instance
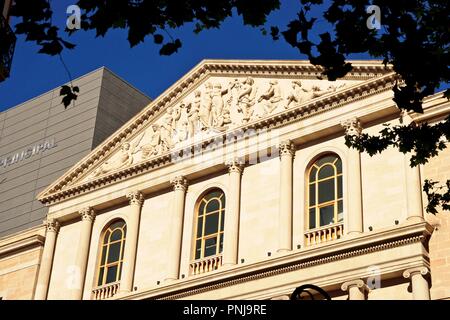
(419, 284)
(45, 269)
(357, 289)
(287, 151)
(87, 219)
(179, 193)
(129, 259)
(414, 203)
(231, 229)
(354, 193)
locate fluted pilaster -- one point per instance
(231, 229)
(419, 283)
(286, 152)
(45, 269)
(179, 184)
(87, 216)
(355, 214)
(136, 199)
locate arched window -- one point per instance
(112, 249)
(210, 222)
(325, 192)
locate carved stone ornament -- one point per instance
(87, 214)
(135, 198)
(421, 270)
(287, 148)
(235, 165)
(214, 97)
(179, 183)
(124, 159)
(360, 284)
(352, 126)
(52, 225)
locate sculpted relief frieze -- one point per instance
(216, 106)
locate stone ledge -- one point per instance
(334, 251)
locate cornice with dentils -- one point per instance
(382, 78)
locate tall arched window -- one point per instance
(112, 249)
(210, 222)
(325, 192)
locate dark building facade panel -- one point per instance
(41, 139)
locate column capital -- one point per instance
(352, 126)
(87, 213)
(52, 225)
(360, 284)
(135, 198)
(411, 271)
(286, 147)
(235, 165)
(179, 183)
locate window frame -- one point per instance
(220, 224)
(336, 199)
(105, 266)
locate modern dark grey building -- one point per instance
(40, 140)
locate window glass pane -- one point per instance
(117, 224)
(327, 159)
(222, 199)
(114, 252)
(210, 247)
(212, 205)
(100, 277)
(312, 194)
(221, 243)
(340, 211)
(201, 208)
(327, 215)
(312, 174)
(326, 190)
(103, 255)
(105, 240)
(116, 235)
(111, 274)
(222, 222)
(338, 165)
(198, 249)
(339, 186)
(326, 171)
(211, 223)
(214, 194)
(199, 227)
(312, 218)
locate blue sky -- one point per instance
(33, 74)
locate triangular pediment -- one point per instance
(213, 97)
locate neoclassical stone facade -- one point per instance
(236, 184)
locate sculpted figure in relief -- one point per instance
(317, 92)
(272, 97)
(166, 129)
(205, 107)
(182, 131)
(153, 147)
(297, 94)
(124, 159)
(192, 111)
(220, 112)
(246, 98)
